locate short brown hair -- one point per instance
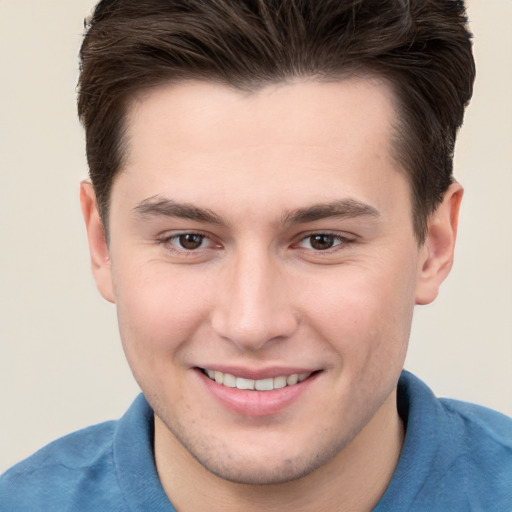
(421, 47)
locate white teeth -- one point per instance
(279, 382)
(259, 385)
(244, 383)
(229, 380)
(292, 379)
(264, 385)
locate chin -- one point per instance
(258, 473)
(263, 463)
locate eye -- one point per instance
(322, 241)
(190, 241)
(187, 242)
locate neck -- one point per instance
(353, 480)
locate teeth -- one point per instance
(259, 385)
(292, 379)
(264, 385)
(244, 383)
(279, 382)
(229, 380)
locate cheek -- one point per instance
(158, 311)
(365, 313)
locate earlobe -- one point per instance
(437, 252)
(98, 247)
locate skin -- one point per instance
(252, 175)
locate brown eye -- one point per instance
(191, 241)
(322, 242)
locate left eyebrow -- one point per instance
(345, 208)
(158, 206)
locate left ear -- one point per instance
(437, 252)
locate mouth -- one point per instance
(241, 392)
(268, 384)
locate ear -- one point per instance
(98, 247)
(437, 252)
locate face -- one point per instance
(264, 267)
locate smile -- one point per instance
(231, 381)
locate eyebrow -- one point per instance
(157, 206)
(341, 209)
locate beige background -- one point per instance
(61, 364)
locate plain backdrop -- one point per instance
(61, 362)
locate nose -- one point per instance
(253, 306)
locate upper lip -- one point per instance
(259, 373)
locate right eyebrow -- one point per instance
(158, 206)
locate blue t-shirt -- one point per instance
(456, 457)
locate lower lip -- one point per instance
(256, 403)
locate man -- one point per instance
(271, 194)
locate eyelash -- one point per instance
(339, 242)
(167, 241)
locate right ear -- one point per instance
(98, 247)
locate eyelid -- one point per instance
(165, 240)
(343, 238)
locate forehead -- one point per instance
(310, 110)
(297, 137)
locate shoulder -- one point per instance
(453, 417)
(51, 479)
(490, 424)
(484, 438)
(475, 447)
(103, 467)
(456, 455)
